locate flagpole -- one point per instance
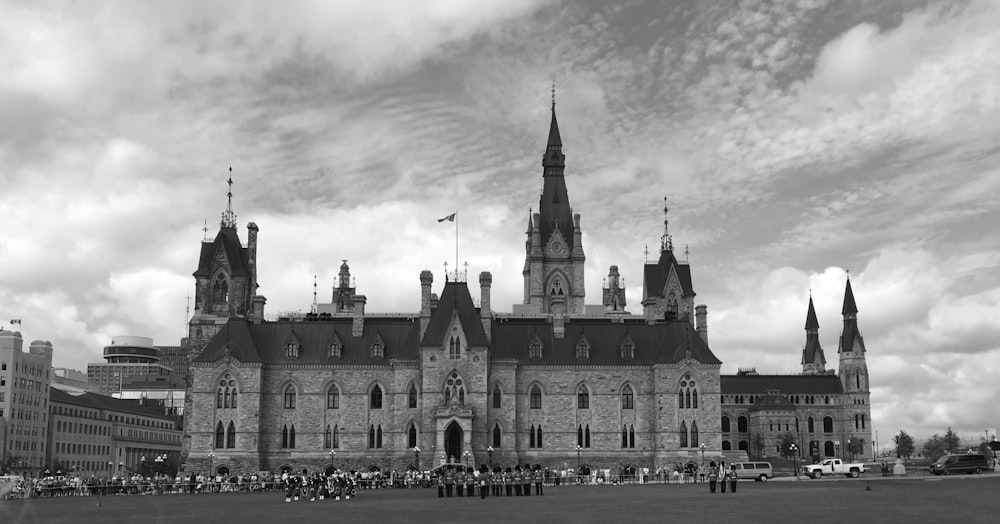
(456, 246)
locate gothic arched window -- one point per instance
(412, 436)
(583, 348)
(220, 290)
(535, 348)
(687, 395)
(231, 435)
(375, 398)
(220, 436)
(535, 397)
(683, 434)
(333, 398)
(496, 436)
(455, 348)
(628, 399)
(289, 397)
(582, 398)
(454, 388)
(411, 401)
(496, 397)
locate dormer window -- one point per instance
(455, 347)
(335, 348)
(628, 348)
(378, 347)
(583, 348)
(535, 348)
(672, 310)
(292, 350)
(220, 293)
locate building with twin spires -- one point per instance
(555, 382)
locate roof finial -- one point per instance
(666, 243)
(848, 270)
(553, 94)
(687, 254)
(645, 253)
(228, 217)
(205, 231)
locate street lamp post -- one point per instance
(794, 450)
(416, 456)
(211, 461)
(578, 450)
(159, 463)
(490, 451)
(142, 467)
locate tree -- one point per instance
(933, 448)
(952, 444)
(786, 440)
(855, 447)
(904, 445)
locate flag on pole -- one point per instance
(18, 321)
(449, 218)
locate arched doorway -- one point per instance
(453, 435)
(222, 470)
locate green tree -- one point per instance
(952, 444)
(933, 448)
(904, 445)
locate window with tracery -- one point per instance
(535, 348)
(454, 389)
(687, 394)
(333, 398)
(455, 348)
(628, 399)
(583, 349)
(582, 398)
(289, 397)
(375, 398)
(535, 397)
(226, 396)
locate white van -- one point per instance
(758, 471)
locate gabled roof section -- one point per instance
(655, 275)
(93, 400)
(851, 337)
(812, 350)
(228, 240)
(241, 344)
(555, 140)
(455, 299)
(664, 342)
(786, 384)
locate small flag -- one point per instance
(449, 218)
(18, 321)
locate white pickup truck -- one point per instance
(834, 467)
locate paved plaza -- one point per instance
(952, 499)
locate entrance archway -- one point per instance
(453, 435)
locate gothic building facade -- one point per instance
(556, 382)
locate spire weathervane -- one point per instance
(205, 231)
(666, 243)
(228, 216)
(553, 95)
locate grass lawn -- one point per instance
(961, 498)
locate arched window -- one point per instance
(687, 395)
(375, 398)
(378, 347)
(333, 398)
(220, 290)
(234, 396)
(328, 437)
(741, 424)
(412, 436)
(628, 348)
(744, 445)
(579, 435)
(624, 436)
(538, 437)
(827, 424)
(683, 434)
(671, 312)
(292, 349)
(496, 436)
(336, 437)
(531, 436)
(231, 435)
(725, 423)
(284, 437)
(454, 388)
(289, 397)
(218, 399)
(857, 421)
(631, 436)
(371, 436)
(378, 436)
(857, 379)
(496, 397)
(694, 434)
(812, 425)
(455, 348)
(582, 398)
(536, 397)
(335, 349)
(557, 289)
(412, 400)
(291, 437)
(220, 436)
(862, 422)
(226, 394)
(828, 449)
(726, 445)
(586, 436)
(628, 400)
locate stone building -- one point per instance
(556, 382)
(25, 378)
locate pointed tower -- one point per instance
(853, 375)
(554, 258)
(667, 293)
(813, 360)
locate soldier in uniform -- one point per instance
(537, 477)
(508, 481)
(516, 480)
(440, 483)
(526, 480)
(470, 482)
(449, 482)
(732, 478)
(485, 481)
(460, 481)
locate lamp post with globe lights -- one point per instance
(416, 456)
(468, 458)
(794, 450)
(578, 450)
(490, 451)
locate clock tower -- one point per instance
(554, 259)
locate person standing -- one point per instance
(526, 480)
(732, 478)
(508, 481)
(460, 481)
(485, 482)
(538, 477)
(440, 482)
(517, 481)
(449, 482)
(713, 476)
(722, 476)
(470, 482)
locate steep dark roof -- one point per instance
(786, 384)
(851, 334)
(93, 400)
(267, 342)
(811, 321)
(554, 138)
(657, 343)
(849, 306)
(455, 298)
(228, 240)
(812, 349)
(655, 275)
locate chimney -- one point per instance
(426, 279)
(701, 318)
(258, 308)
(358, 326)
(252, 259)
(485, 312)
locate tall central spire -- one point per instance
(555, 141)
(228, 216)
(666, 242)
(556, 214)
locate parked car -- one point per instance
(758, 471)
(964, 463)
(834, 467)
